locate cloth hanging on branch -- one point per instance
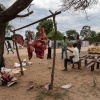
(39, 44)
(19, 39)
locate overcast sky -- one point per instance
(65, 21)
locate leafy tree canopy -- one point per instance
(59, 35)
(85, 31)
(98, 37)
(71, 34)
(8, 27)
(93, 37)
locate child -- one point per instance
(9, 47)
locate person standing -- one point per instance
(9, 47)
(49, 48)
(64, 44)
(74, 58)
(78, 42)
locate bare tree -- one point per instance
(7, 15)
(77, 4)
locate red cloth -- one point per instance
(19, 39)
(6, 76)
(30, 50)
(40, 43)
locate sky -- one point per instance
(65, 21)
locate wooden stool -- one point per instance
(78, 63)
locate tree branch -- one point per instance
(13, 10)
(77, 4)
(25, 14)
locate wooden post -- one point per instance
(22, 73)
(79, 64)
(85, 62)
(92, 67)
(97, 65)
(54, 54)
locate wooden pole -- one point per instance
(54, 54)
(22, 73)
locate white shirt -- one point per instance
(50, 44)
(76, 55)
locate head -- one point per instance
(75, 45)
(64, 37)
(7, 41)
(49, 38)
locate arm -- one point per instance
(69, 50)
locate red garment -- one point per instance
(30, 50)
(40, 43)
(6, 76)
(19, 39)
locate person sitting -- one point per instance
(73, 59)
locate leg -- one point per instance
(50, 51)
(12, 51)
(65, 63)
(66, 53)
(62, 52)
(92, 67)
(97, 65)
(8, 52)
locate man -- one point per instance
(74, 58)
(49, 48)
(78, 42)
(64, 44)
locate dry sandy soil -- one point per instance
(85, 84)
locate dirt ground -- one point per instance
(85, 84)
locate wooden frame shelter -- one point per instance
(54, 54)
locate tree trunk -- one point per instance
(2, 41)
(6, 16)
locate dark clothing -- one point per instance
(79, 43)
(10, 48)
(9, 45)
(64, 50)
(67, 60)
(49, 53)
(49, 49)
(70, 60)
